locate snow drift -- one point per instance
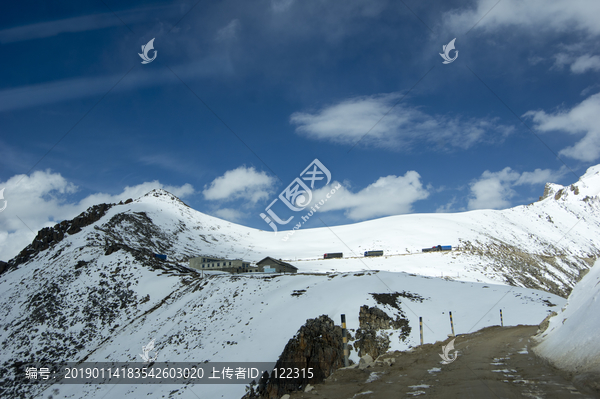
(572, 340)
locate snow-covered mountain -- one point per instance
(542, 245)
(90, 289)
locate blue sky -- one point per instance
(243, 96)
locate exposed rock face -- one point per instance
(376, 319)
(548, 191)
(49, 236)
(524, 269)
(368, 338)
(317, 345)
(369, 342)
(545, 323)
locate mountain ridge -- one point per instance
(540, 245)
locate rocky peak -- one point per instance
(50, 236)
(162, 194)
(549, 190)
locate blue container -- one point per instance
(161, 257)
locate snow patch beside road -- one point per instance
(569, 342)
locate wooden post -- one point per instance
(452, 324)
(421, 328)
(501, 319)
(345, 340)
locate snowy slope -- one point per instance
(255, 314)
(99, 295)
(571, 340)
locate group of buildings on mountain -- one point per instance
(267, 265)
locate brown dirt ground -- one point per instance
(496, 362)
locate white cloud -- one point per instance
(562, 59)
(229, 214)
(53, 28)
(42, 199)
(537, 17)
(589, 89)
(28, 96)
(168, 161)
(243, 182)
(551, 15)
(540, 176)
(583, 118)
(578, 64)
(370, 120)
(586, 63)
(281, 5)
(493, 190)
(449, 207)
(62, 90)
(229, 31)
(327, 21)
(85, 23)
(390, 195)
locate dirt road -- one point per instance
(495, 362)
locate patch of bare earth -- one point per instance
(495, 362)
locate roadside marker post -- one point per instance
(345, 340)
(501, 319)
(452, 324)
(421, 328)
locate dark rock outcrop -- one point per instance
(376, 319)
(318, 346)
(49, 236)
(369, 342)
(112, 248)
(548, 191)
(371, 320)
